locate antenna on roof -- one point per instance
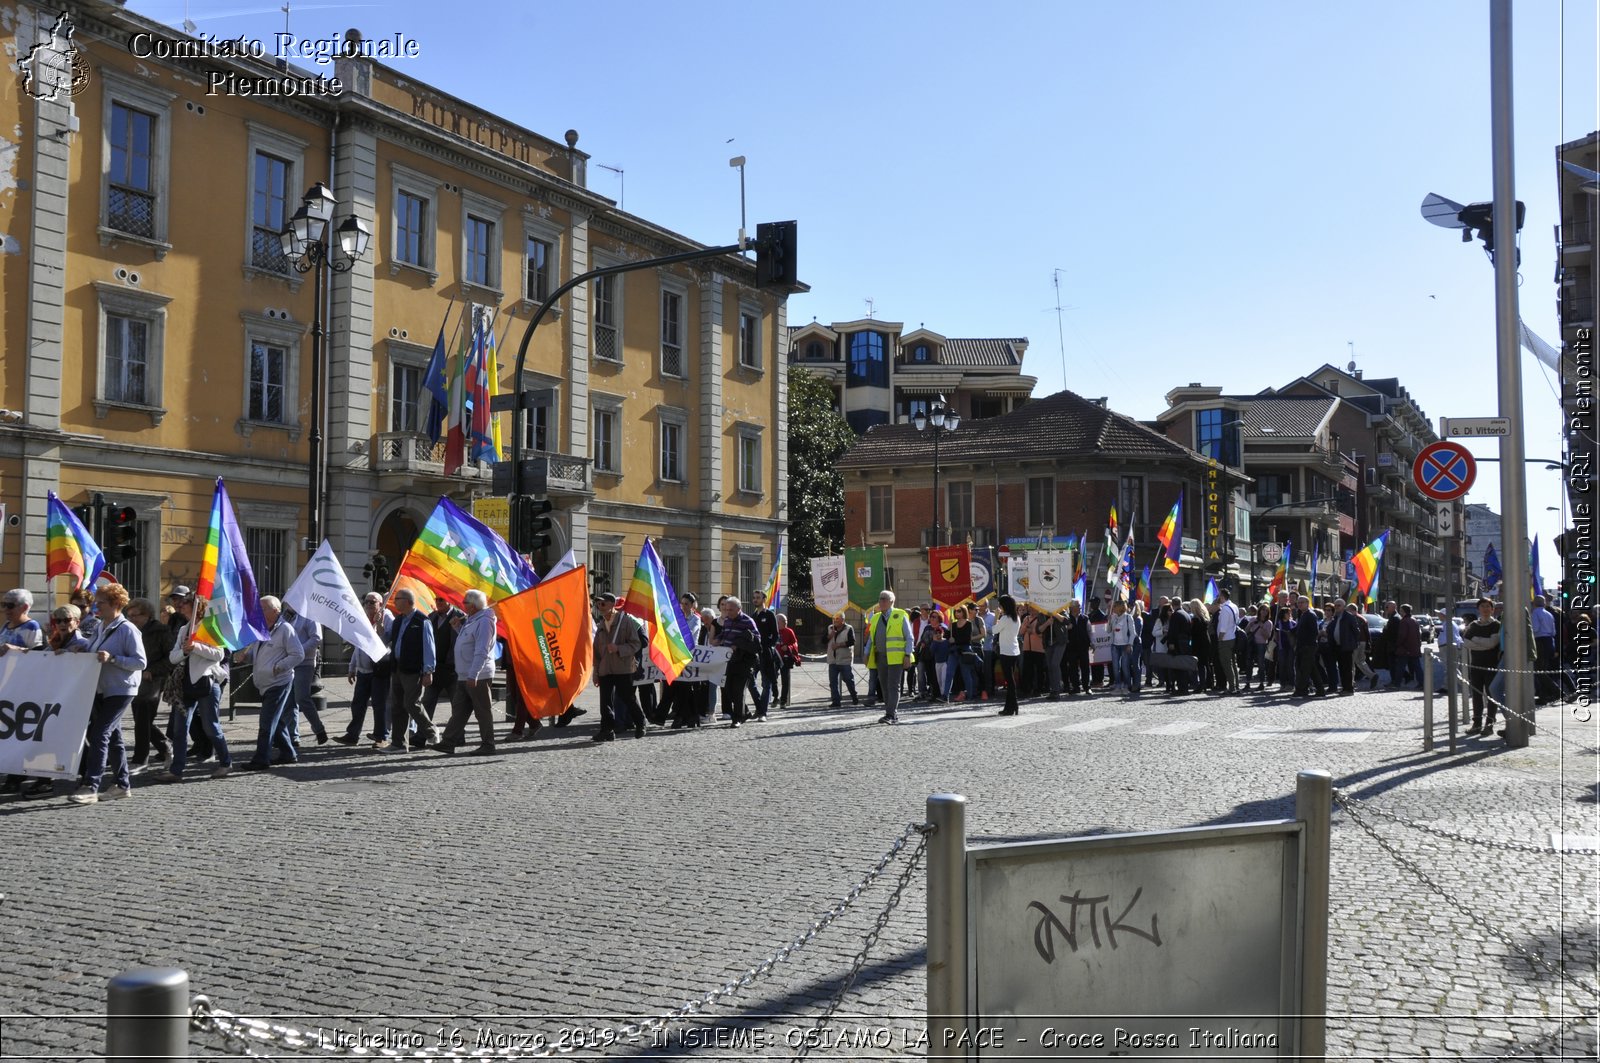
(871, 308)
(1352, 366)
(1061, 338)
(622, 184)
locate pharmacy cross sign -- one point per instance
(1444, 471)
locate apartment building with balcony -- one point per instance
(1579, 293)
(883, 375)
(1328, 460)
(155, 337)
(1054, 467)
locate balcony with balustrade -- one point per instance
(402, 458)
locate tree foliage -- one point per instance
(818, 437)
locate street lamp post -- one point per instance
(307, 245)
(943, 420)
(1250, 543)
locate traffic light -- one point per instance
(85, 515)
(775, 254)
(534, 528)
(122, 536)
(377, 571)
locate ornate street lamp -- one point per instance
(943, 419)
(307, 246)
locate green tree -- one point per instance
(818, 437)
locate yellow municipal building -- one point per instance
(156, 336)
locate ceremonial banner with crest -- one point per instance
(830, 591)
(983, 575)
(1017, 576)
(950, 574)
(864, 569)
(1050, 579)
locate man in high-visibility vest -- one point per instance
(889, 651)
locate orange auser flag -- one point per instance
(548, 629)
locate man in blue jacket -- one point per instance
(1306, 672)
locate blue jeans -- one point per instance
(274, 725)
(205, 701)
(371, 689)
(105, 740)
(305, 676)
(1124, 666)
(840, 673)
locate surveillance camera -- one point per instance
(14, 520)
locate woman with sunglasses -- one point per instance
(19, 633)
(65, 634)
(120, 650)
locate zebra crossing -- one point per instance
(984, 719)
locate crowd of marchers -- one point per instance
(997, 650)
(1005, 650)
(157, 657)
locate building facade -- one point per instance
(1053, 468)
(1328, 457)
(1580, 291)
(156, 337)
(883, 375)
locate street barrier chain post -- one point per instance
(1313, 806)
(1427, 699)
(947, 924)
(147, 1015)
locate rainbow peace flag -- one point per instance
(1143, 589)
(69, 551)
(652, 599)
(1170, 538)
(1367, 564)
(456, 553)
(226, 589)
(1280, 578)
(1210, 595)
(775, 581)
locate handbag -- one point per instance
(1175, 662)
(172, 689)
(1272, 651)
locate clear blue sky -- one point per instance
(1230, 190)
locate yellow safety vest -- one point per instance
(894, 640)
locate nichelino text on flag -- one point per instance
(322, 593)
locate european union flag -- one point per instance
(1492, 574)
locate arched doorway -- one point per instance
(396, 533)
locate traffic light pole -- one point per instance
(517, 412)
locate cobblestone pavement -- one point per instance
(565, 885)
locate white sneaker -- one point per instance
(83, 795)
(116, 793)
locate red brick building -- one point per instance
(1053, 467)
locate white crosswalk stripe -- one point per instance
(1005, 723)
(1345, 735)
(1261, 731)
(1177, 727)
(1094, 725)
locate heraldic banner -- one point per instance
(950, 574)
(864, 568)
(830, 590)
(1050, 579)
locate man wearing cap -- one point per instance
(617, 642)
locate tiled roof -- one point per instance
(973, 352)
(1284, 416)
(1064, 424)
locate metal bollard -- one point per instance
(1313, 806)
(1452, 688)
(147, 1015)
(947, 923)
(1427, 699)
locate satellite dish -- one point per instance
(1591, 179)
(1352, 366)
(1445, 213)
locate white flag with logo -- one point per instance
(322, 593)
(830, 591)
(1017, 576)
(1050, 579)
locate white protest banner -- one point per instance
(710, 665)
(45, 700)
(830, 591)
(1100, 643)
(1050, 579)
(1017, 576)
(322, 593)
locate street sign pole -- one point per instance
(1513, 477)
